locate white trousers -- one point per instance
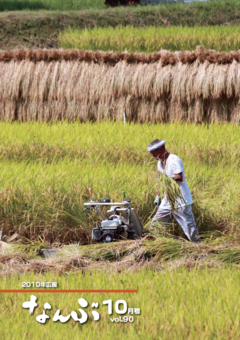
(183, 215)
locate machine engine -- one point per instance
(110, 230)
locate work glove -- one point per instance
(160, 168)
(157, 201)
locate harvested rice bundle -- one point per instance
(169, 187)
(72, 85)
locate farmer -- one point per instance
(172, 166)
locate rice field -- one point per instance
(46, 170)
(185, 290)
(151, 39)
(174, 304)
(37, 23)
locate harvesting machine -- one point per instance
(122, 221)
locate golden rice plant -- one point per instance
(150, 39)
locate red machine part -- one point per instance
(114, 3)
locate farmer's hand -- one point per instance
(157, 201)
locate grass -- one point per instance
(175, 304)
(16, 5)
(46, 170)
(151, 39)
(72, 5)
(28, 29)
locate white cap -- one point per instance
(156, 146)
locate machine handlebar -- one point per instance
(103, 204)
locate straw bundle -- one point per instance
(83, 85)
